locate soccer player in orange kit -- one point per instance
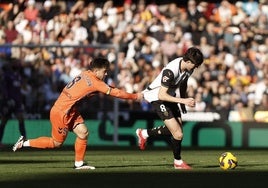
(65, 117)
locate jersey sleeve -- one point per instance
(102, 87)
(167, 77)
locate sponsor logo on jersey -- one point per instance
(165, 78)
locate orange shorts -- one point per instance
(62, 123)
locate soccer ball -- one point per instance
(228, 161)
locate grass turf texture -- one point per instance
(130, 168)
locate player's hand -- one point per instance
(190, 102)
(139, 96)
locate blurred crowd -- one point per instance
(145, 36)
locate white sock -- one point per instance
(26, 143)
(78, 163)
(178, 162)
(144, 133)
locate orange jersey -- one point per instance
(85, 85)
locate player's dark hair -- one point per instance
(194, 55)
(99, 63)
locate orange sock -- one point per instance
(80, 149)
(42, 142)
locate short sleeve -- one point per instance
(167, 77)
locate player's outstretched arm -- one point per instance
(119, 93)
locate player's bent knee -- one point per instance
(83, 135)
(81, 131)
(57, 144)
(178, 136)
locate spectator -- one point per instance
(80, 32)
(261, 89)
(55, 24)
(26, 91)
(49, 11)
(223, 14)
(106, 37)
(211, 34)
(184, 22)
(168, 47)
(193, 13)
(10, 32)
(235, 45)
(65, 76)
(241, 14)
(206, 49)
(200, 105)
(250, 7)
(11, 97)
(68, 40)
(31, 12)
(103, 23)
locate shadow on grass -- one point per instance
(178, 179)
(131, 165)
(6, 161)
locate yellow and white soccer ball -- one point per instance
(228, 161)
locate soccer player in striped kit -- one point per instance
(167, 94)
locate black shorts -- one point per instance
(166, 110)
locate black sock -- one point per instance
(159, 131)
(22, 129)
(176, 147)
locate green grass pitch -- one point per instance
(125, 167)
